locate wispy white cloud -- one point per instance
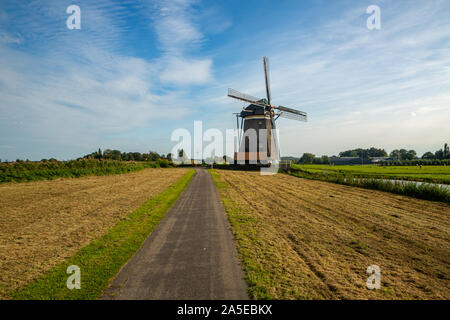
(110, 98)
(183, 71)
(84, 89)
(178, 35)
(78, 90)
(361, 87)
(7, 38)
(175, 26)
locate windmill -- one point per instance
(258, 140)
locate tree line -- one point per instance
(370, 153)
(403, 154)
(307, 158)
(109, 154)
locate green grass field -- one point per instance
(435, 174)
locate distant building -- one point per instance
(379, 159)
(356, 160)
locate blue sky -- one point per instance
(137, 70)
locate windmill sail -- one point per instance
(266, 74)
(291, 113)
(259, 117)
(245, 97)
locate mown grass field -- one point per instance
(95, 222)
(415, 189)
(308, 239)
(435, 174)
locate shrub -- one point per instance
(163, 163)
(51, 169)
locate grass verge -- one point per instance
(100, 261)
(245, 231)
(421, 191)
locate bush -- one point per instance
(51, 169)
(163, 163)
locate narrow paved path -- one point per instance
(189, 255)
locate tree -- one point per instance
(403, 154)
(116, 155)
(374, 152)
(364, 153)
(410, 155)
(137, 156)
(153, 156)
(446, 151)
(317, 160)
(99, 154)
(349, 153)
(395, 154)
(169, 157)
(107, 154)
(439, 154)
(326, 160)
(307, 158)
(428, 155)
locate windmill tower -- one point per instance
(258, 142)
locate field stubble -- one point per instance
(304, 239)
(43, 223)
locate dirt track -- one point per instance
(315, 240)
(42, 223)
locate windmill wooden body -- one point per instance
(258, 142)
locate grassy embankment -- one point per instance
(372, 177)
(25, 171)
(102, 258)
